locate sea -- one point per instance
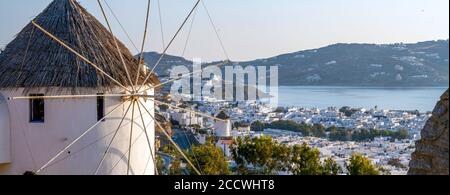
(423, 99)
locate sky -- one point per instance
(254, 29)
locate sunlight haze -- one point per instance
(253, 29)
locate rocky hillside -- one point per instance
(419, 64)
(167, 62)
(431, 156)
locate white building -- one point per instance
(222, 128)
(187, 119)
(222, 131)
(225, 145)
(34, 131)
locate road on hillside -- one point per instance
(185, 139)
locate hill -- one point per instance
(390, 65)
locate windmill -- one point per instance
(77, 101)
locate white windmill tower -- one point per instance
(76, 79)
(73, 100)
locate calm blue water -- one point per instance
(422, 99)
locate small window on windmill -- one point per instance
(37, 109)
(100, 107)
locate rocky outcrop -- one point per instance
(431, 156)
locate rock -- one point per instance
(431, 155)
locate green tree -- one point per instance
(348, 112)
(289, 125)
(160, 165)
(337, 134)
(305, 160)
(263, 154)
(402, 134)
(360, 165)
(209, 159)
(257, 126)
(330, 167)
(281, 155)
(175, 167)
(169, 149)
(318, 131)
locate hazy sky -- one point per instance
(253, 29)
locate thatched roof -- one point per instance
(33, 60)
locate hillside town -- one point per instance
(392, 155)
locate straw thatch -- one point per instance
(33, 60)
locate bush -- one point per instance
(209, 159)
(258, 126)
(360, 165)
(267, 157)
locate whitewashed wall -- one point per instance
(33, 144)
(222, 129)
(5, 132)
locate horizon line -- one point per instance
(303, 50)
